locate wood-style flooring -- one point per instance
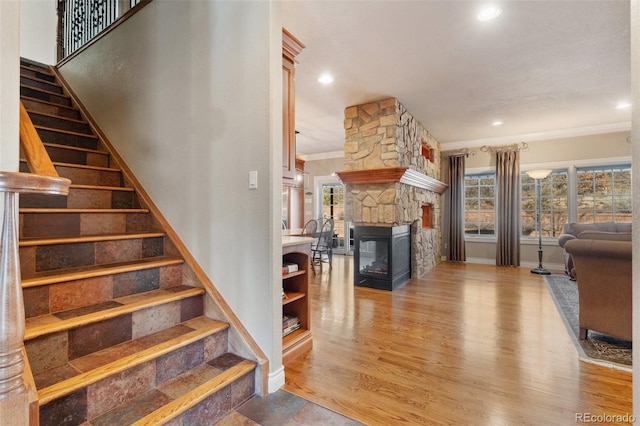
(466, 345)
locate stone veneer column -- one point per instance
(384, 134)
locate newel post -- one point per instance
(16, 389)
(13, 392)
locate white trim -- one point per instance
(540, 136)
(276, 380)
(322, 155)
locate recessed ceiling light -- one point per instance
(489, 13)
(497, 123)
(623, 105)
(326, 79)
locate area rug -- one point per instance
(597, 348)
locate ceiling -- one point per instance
(543, 68)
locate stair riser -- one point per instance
(63, 155)
(80, 198)
(81, 176)
(101, 397)
(49, 136)
(59, 123)
(45, 96)
(35, 225)
(42, 85)
(62, 256)
(55, 298)
(42, 75)
(33, 105)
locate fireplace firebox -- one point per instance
(382, 256)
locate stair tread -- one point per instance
(39, 80)
(81, 166)
(66, 132)
(66, 210)
(62, 95)
(52, 323)
(36, 241)
(42, 101)
(59, 117)
(93, 271)
(98, 365)
(76, 148)
(45, 69)
(193, 387)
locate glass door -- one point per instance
(332, 198)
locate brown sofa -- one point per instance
(615, 231)
(603, 274)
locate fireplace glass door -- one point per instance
(373, 256)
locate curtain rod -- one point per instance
(521, 146)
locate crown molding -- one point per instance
(540, 136)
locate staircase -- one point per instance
(116, 331)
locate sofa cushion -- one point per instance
(623, 227)
(601, 235)
(577, 228)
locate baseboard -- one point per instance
(276, 380)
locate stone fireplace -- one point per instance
(392, 171)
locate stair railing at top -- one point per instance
(82, 21)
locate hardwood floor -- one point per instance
(466, 344)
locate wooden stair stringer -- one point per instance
(239, 337)
(72, 384)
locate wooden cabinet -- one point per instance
(295, 301)
(291, 47)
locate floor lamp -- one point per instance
(538, 175)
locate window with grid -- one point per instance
(479, 204)
(554, 210)
(604, 194)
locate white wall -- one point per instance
(188, 92)
(38, 29)
(9, 85)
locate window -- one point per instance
(554, 206)
(479, 204)
(604, 194)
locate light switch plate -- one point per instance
(253, 179)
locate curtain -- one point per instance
(508, 208)
(455, 242)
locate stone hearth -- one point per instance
(392, 170)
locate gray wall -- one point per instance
(184, 90)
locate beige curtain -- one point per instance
(508, 208)
(455, 243)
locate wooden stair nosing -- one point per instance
(38, 89)
(32, 210)
(75, 383)
(66, 132)
(76, 148)
(81, 166)
(59, 117)
(30, 242)
(39, 80)
(102, 188)
(93, 271)
(159, 297)
(87, 167)
(44, 69)
(181, 404)
(42, 101)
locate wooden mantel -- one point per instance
(391, 175)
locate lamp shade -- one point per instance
(539, 174)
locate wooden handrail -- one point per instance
(36, 155)
(16, 389)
